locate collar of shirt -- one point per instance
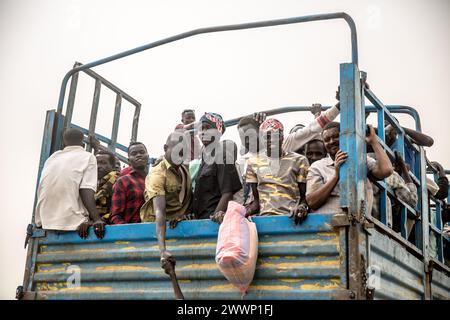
(328, 161)
(70, 148)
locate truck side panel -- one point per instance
(401, 274)
(295, 262)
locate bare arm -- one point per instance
(419, 138)
(223, 202)
(319, 197)
(87, 197)
(383, 168)
(159, 203)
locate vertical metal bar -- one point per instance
(134, 131)
(425, 224)
(383, 206)
(353, 172)
(115, 127)
(418, 225)
(71, 98)
(94, 110)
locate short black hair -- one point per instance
(72, 137)
(248, 121)
(135, 143)
(187, 111)
(332, 125)
(112, 158)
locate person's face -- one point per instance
(249, 137)
(176, 148)
(117, 165)
(315, 151)
(208, 134)
(103, 165)
(331, 141)
(273, 142)
(138, 156)
(390, 135)
(188, 118)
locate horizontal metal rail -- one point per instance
(242, 26)
(392, 109)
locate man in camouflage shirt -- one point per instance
(277, 177)
(107, 178)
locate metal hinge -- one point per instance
(340, 220)
(29, 235)
(19, 293)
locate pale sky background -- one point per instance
(404, 46)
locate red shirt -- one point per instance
(128, 198)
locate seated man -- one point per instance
(107, 175)
(322, 188)
(128, 191)
(168, 191)
(65, 199)
(217, 181)
(277, 178)
(248, 129)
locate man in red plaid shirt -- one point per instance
(128, 192)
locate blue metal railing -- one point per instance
(243, 26)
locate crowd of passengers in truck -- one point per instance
(274, 173)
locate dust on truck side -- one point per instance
(348, 255)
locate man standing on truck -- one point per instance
(108, 175)
(217, 181)
(168, 192)
(66, 189)
(322, 190)
(188, 123)
(297, 140)
(277, 177)
(128, 191)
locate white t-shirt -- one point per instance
(59, 205)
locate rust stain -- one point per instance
(54, 270)
(200, 266)
(222, 287)
(318, 286)
(289, 265)
(302, 242)
(87, 289)
(275, 257)
(292, 280)
(271, 287)
(122, 268)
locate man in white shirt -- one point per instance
(67, 187)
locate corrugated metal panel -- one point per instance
(440, 286)
(401, 273)
(295, 262)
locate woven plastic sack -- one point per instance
(237, 247)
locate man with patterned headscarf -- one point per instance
(216, 180)
(277, 177)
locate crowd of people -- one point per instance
(199, 174)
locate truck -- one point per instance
(349, 255)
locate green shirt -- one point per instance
(177, 189)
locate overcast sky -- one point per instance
(403, 46)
